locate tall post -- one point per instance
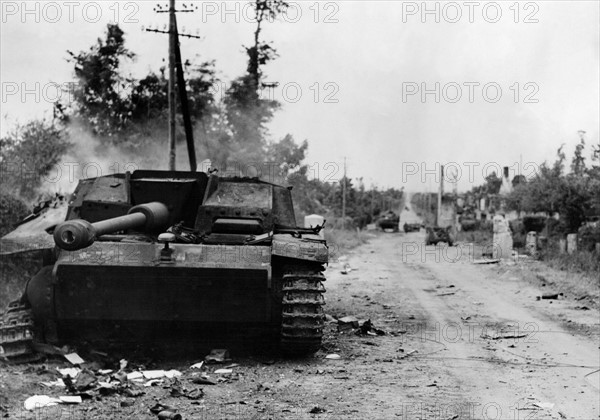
(172, 92)
(372, 198)
(439, 198)
(344, 197)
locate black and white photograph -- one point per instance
(314, 209)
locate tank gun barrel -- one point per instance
(77, 234)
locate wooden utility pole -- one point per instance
(344, 197)
(439, 198)
(172, 92)
(372, 199)
(176, 77)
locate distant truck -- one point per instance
(389, 220)
(412, 227)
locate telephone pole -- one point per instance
(439, 198)
(176, 80)
(172, 99)
(344, 197)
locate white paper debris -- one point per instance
(197, 365)
(223, 371)
(156, 374)
(135, 376)
(39, 401)
(105, 371)
(74, 359)
(153, 374)
(172, 373)
(333, 356)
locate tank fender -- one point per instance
(306, 247)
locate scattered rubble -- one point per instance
(74, 359)
(549, 296)
(218, 356)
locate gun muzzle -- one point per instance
(78, 233)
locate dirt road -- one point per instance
(454, 314)
(463, 341)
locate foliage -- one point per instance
(12, 211)
(28, 154)
(121, 110)
(100, 95)
(573, 195)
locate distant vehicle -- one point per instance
(389, 220)
(438, 234)
(412, 227)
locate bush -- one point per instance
(588, 237)
(534, 223)
(12, 211)
(340, 241)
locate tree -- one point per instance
(493, 183)
(246, 111)
(573, 195)
(101, 94)
(28, 154)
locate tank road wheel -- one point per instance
(303, 320)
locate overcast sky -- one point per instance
(361, 67)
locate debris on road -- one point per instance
(405, 355)
(156, 374)
(333, 356)
(169, 415)
(317, 410)
(223, 371)
(217, 356)
(74, 359)
(71, 399)
(71, 372)
(347, 269)
(544, 405)
(486, 261)
(40, 401)
(197, 365)
(203, 380)
(549, 296)
(347, 323)
(498, 336)
(367, 328)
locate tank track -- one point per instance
(16, 331)
(303, 319)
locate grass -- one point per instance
(341, 241)
(585, 262)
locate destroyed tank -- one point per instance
(174, 250)
(389, 220)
